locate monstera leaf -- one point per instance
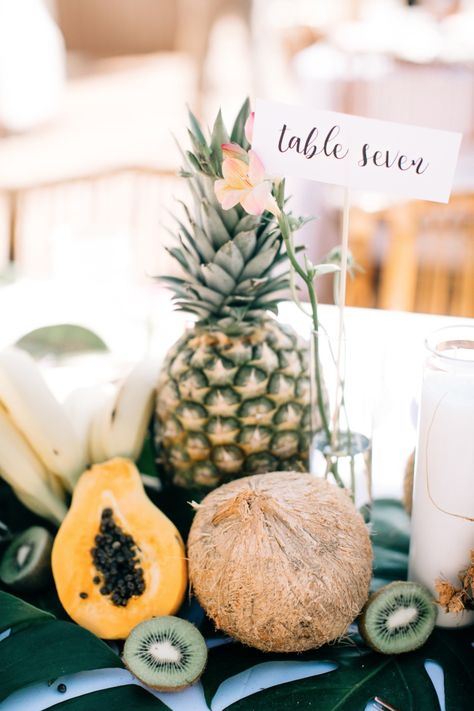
(122, 697)
(339, 677)
(39, 649)
(61, 340)
(360, 675)
(15, 613)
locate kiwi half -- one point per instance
(26, 563)
(398, 618)
(165, 653)
(5, 534)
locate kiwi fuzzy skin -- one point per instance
(368, 638)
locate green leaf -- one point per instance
(46, 651)
(125, 698)
(189, 267)
(218, 137)
(248, 223)
(237, 134)
(227, 661)
(358, 679)
(193, 160)
(453, 650)
(214, 225)
(196, 129)
(210, 296)
(203, 243)
(401, 680)
(193, 308)
(260, 263)
(232, 659)
(230, 258)
(250, 286)
(218, 279)
(61, 340)
(390, 564)
(280, 194)
(246, 242)
(14, 611)
(390, 525)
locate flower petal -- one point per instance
(248, 128)
(256, 200)
(226, 195)
(233, 150)
(235, 172)
(256, 171)
(272, 206)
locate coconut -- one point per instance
(281, 561)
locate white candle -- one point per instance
(442, 534)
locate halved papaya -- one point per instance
(117, 559)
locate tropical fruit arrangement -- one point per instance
(276, 559)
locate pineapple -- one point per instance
(233, 397)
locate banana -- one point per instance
(39, 416)
(100, 424)
(34, 504)
(55, 484)
(125, 432)
(81, 407)
(21, 468)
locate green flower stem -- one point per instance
(286, 233)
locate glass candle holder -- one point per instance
(442, 535)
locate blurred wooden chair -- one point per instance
(429, 263)
(361, 287)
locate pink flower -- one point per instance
(245, 183)
(233, 150)
(248, 128)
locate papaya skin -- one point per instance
(116, 485)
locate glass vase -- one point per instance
(442, 531)
(341, 448)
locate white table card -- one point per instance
(355, 152)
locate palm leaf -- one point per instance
(122, 697)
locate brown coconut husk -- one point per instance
(280, 561)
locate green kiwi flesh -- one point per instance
(26, 563)
(165, 653)
(398, 618)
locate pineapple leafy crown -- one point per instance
(234, 265)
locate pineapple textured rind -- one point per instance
(230, 406)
